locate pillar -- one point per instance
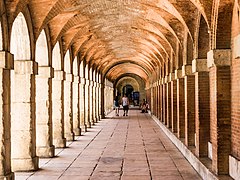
(220, 108)
(6, 65)
(83, 124)
(44, 136)
(173, 102)
(202, 103)
(23, 129)
(58, 109)
(94, 101)
(164, 102)
(68, 113)
(76, 107)
(87, 104)
(189, 91)
(180, 104)
(168, 102)
(91, 118)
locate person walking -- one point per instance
(116, 105)
(125, 104)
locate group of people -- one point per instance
(125, 103)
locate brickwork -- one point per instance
(180, 108)
(202, 113)
(220, 118)
(174, 105)
(189, 110)
(169, 106)
(235, 109)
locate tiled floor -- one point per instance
(126, 148)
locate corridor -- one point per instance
(125, 148)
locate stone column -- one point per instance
(68, 113)
(189, 88)
(6, 64)
(100, 101)
(97, 100)
(220, 108)
(86, 95)
(76, 107)
(44, 136)
(91, 102)
(58, 109)
(168, 100)
(180, 104)
(173, 102)
(202, 103)
(83, 124)
(94, 102)
(23, 127)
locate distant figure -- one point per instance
(116, 105)
(125, 104)
(144, 106)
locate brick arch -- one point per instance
(221, 24)
(202, 39)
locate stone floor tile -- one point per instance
(68, 177)
(135, 177)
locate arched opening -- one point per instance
(76, 116)
(68, 111)
(23, 139)
(57, 98)
(44, 139)
(1, 36)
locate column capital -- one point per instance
(199, 65)
(172, 77)
(45, 72)
(76, 79)
(186, 70)
(6, 60)
(59, 75)
(25, 67)
(82, 80)
(166, 79)
(178, 74)
(219, 57)
(87, 82)
(69, 77)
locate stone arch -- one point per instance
(20, 39)
(67, 62)
(81, 69)
(75, 66)
(1, 36)
(56, 57)
(44, 136)
(42, 50)
(23, 138)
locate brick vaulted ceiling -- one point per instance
(117, 36)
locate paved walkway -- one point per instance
(117, 148)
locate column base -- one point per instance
(69, 136)
(46, 151)
(89, 125)
(59, 143)
(77, 131)
(9, 176)
(24, 164)
(84, 128)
